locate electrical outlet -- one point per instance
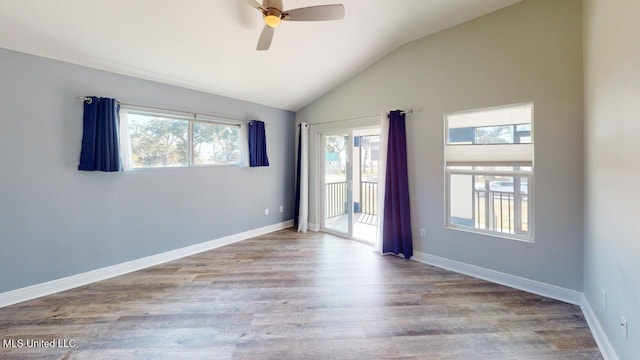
(423, 233)
(281, 208)
(266, 211)
(624, 328)
(604, 298)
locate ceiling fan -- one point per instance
(273, 13)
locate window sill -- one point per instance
(525, 239)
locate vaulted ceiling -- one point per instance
(210, 45)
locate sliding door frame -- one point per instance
(349, 179)
(321, 184)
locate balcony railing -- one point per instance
(500, 211)
(369, 197)
(336, 194)
(336, 199)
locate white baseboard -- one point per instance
(314, 227)
(532, 286)
(70, 282)
(608, 353)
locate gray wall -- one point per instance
(56, 221)
(531, 51)
(612, 168)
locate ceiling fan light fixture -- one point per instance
(273, 17)
(273, 14)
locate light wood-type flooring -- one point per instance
(287, 295)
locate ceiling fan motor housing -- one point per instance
(273, 4)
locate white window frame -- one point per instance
(462, 159)
(127, 151)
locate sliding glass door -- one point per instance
(350, 183)
(337, 184)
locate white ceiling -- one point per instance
(209, 45)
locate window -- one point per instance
(215, 144)
(489, 171)
(151, 140)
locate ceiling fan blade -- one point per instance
(316, 13)
(254, 4)
(265, 38)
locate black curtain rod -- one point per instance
(410, 111)
(194, 114)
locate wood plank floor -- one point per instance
(296, 296)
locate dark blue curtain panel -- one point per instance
(257, 144)
(100, 135)
(396, 230)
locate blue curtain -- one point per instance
(100, 135)
(396, 228)
(257, 144)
